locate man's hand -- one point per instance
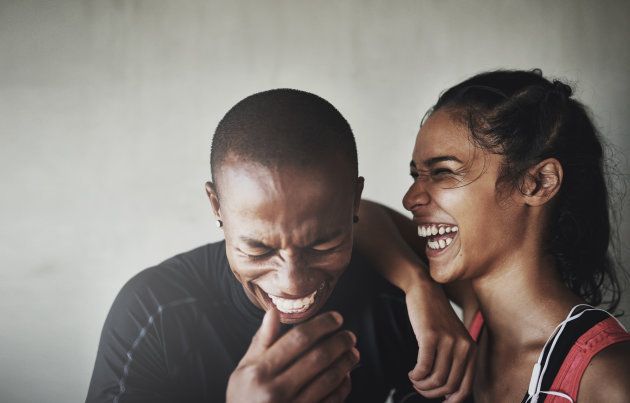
(446, 352)
(310, 363)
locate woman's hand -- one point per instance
(446, 352)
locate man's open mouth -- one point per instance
(297, 305)
(299, 308)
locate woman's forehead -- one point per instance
(441, 135)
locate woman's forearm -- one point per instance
(389, 240)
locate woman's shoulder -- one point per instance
(607, 377)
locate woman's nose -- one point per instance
(416, 196)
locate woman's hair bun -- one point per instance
(562, 88)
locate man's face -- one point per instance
(288, 231)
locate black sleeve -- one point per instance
(400, 348)
(131, 360)
(386, 339)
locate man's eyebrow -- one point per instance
(253, 242)
(328, 237)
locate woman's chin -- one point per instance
(442, 274)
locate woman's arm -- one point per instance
(391, 241)
(607, 378)
(446, 351)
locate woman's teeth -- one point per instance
(426, 231)
(440, 244)
(293, 305)
(442, 240)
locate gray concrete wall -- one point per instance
(107, 110)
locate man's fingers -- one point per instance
(327, 354)
(339, 395)
(426, 354)
(440, 371)
(326, 385)
(266, 335)
(300, 339)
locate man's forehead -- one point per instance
(282, 180)
(282, 193)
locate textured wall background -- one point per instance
(107, 110)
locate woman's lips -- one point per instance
(439, 236)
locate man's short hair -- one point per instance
(283, 126)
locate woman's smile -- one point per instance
(439, 237)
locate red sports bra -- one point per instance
(590, 334)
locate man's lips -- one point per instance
(294, 305)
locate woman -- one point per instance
(509, 193)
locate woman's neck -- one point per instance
(522, 300)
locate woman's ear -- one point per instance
(542, 182)
(213, 196)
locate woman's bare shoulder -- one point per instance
(607, 377)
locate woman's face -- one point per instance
(468, 225)
(288, 232)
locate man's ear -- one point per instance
(542, 182)
(358, 191)
(213, 196)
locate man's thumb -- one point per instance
(267, 333)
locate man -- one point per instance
(286, 193)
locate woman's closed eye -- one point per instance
(433, 173)
(440, 172)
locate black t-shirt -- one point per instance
(176, 332)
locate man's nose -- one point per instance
(293, 274)
(417, 195)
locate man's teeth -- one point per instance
(426, 231)
(293, 305)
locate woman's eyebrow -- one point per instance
(442, 158)
(435, 160)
